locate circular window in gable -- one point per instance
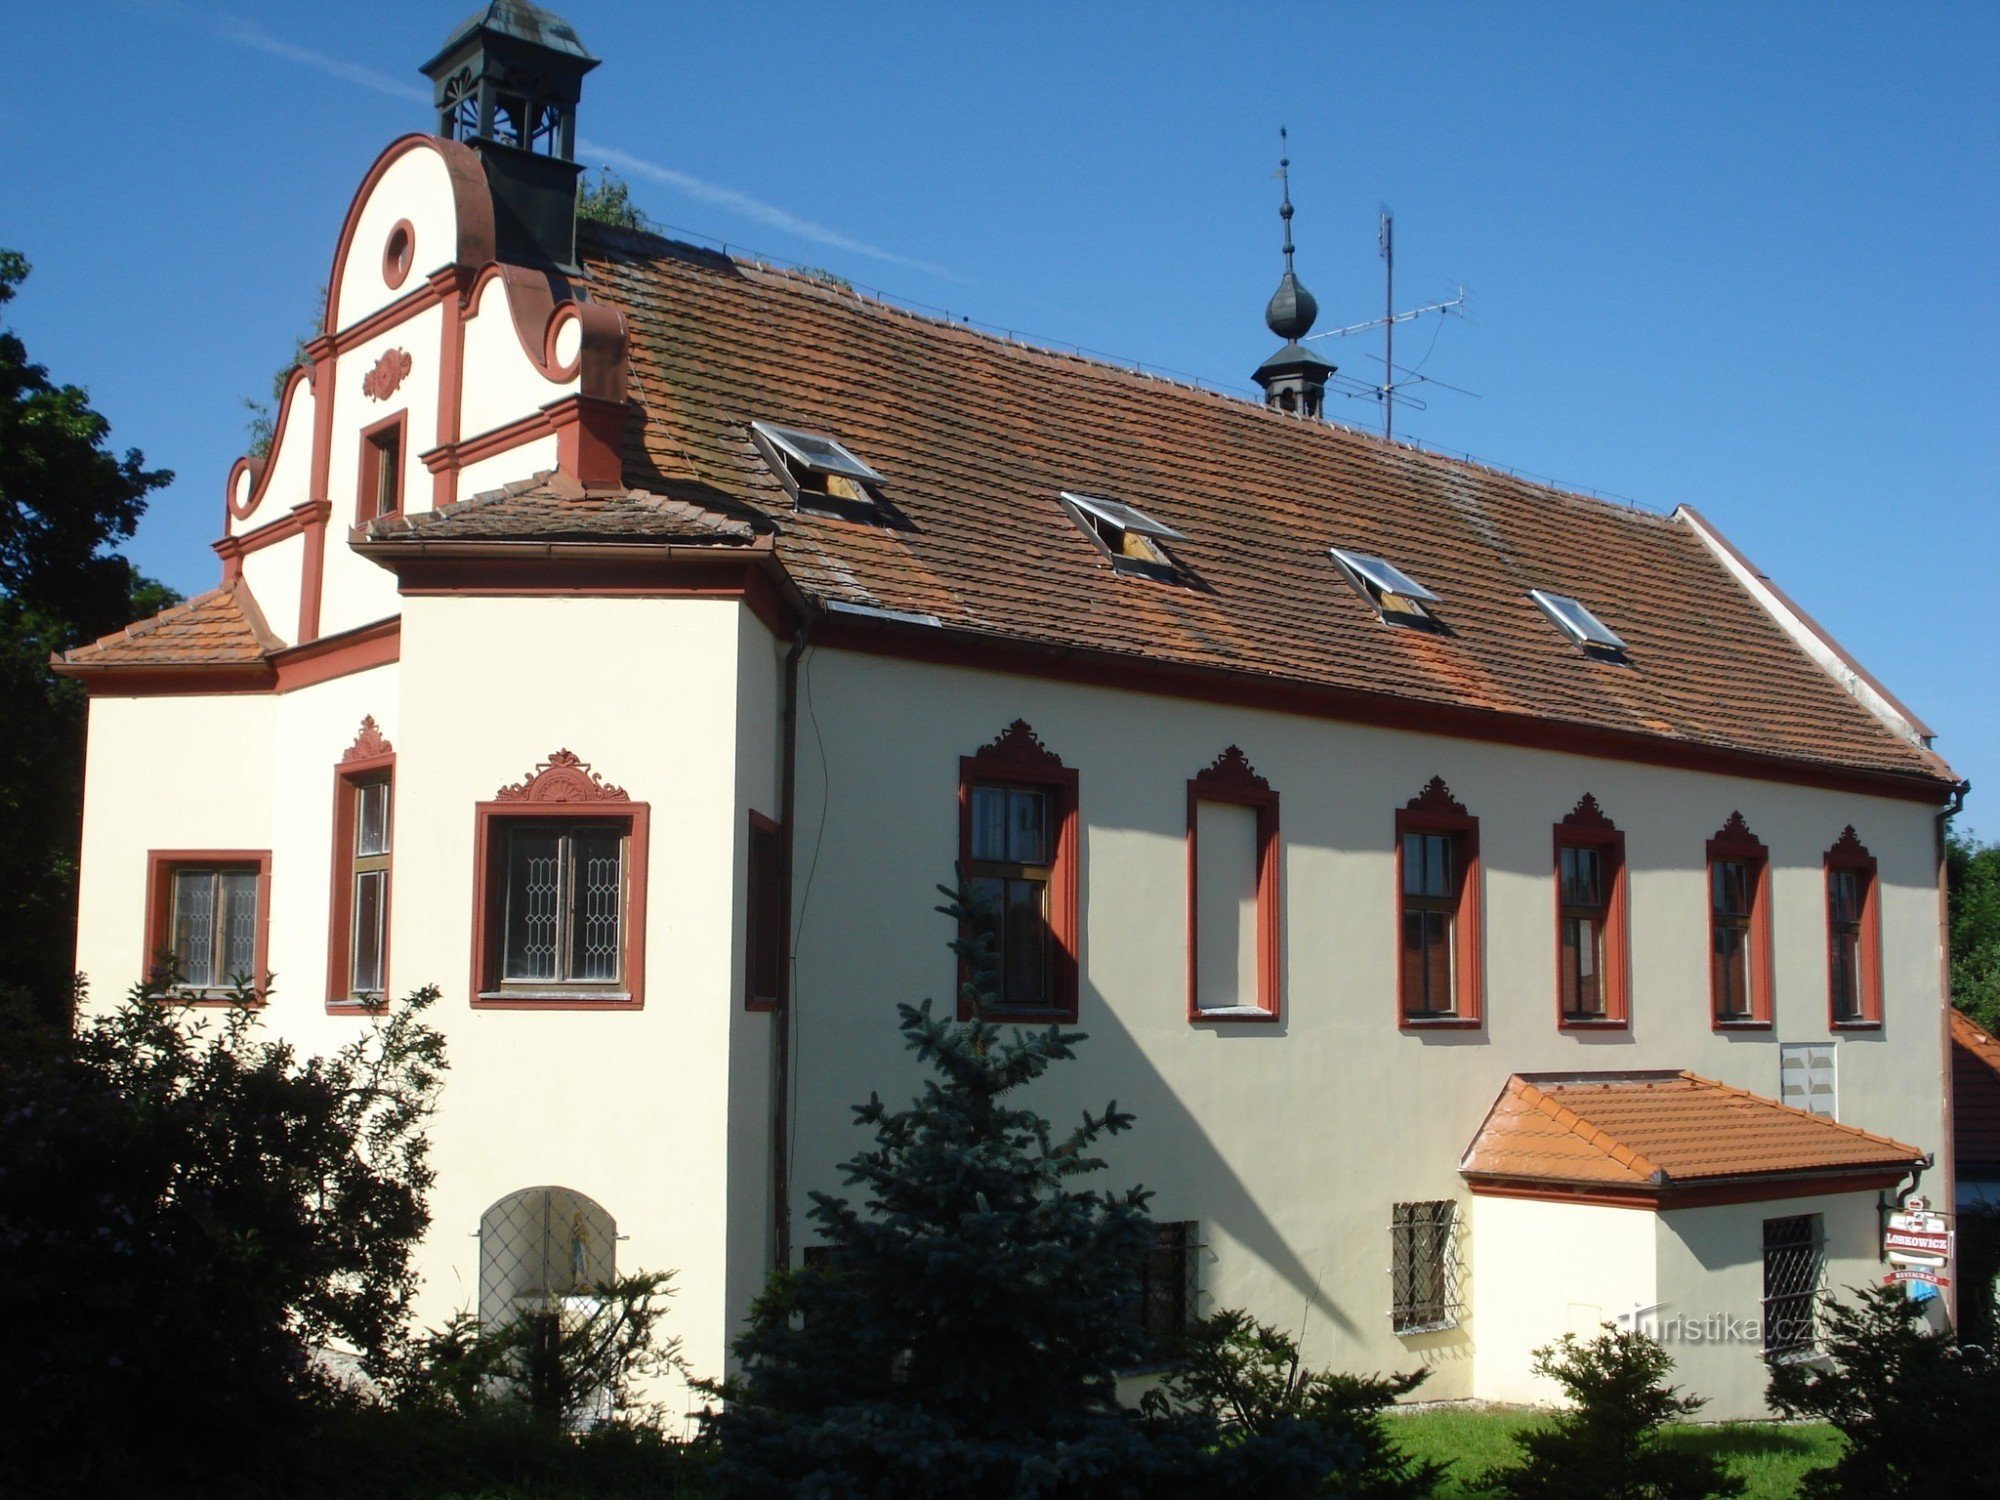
(398, 253)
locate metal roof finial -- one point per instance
(1292, 308)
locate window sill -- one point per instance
(224, 996)
(1440, 1023)
(1593, 1023)
(1856, 1026)
(555, 1000)
(1745, 1024)
(347, 1005)
(1232, 1013)
(1416, 1330)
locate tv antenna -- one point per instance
(1394, 376)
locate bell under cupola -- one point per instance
(506, 83)
(1294, 379)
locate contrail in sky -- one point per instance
(250, 35)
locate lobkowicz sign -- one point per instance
(1919, 1245)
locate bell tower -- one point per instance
(506, 83)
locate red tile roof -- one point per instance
(1975, 1096)
(1657, 1132)
(976, 435)
(221, 628)
(553, 507)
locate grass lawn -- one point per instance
(1771, 1458)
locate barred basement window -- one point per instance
(1423, 1266)
(1794, 1269)
(1169, 1281)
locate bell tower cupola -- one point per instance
(506, 83)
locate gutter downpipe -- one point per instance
(1945, 814)
(781, 1019)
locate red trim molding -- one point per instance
(260, 469)
(1016, 755)
(160, 867)
(1586, 827)
(1231, 779)
(562, 786)
(1850, 854)
(357, 650)
(1435, 810)
(1734, 841)
(399, 253)
(295, 522)
(380, 381)
(370, 758)
(368, 467)
(1691, 1195)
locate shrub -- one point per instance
(1288, 1430)
(1607, 1444)
(1908, 1399)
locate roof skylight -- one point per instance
(1397, 597)
(1578, 623)
(814, 453)
(1129, 536)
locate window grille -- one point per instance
(214, 927)
(1169, 1281)
(539, 1248)
(1794, 1271)
(1424, 1267)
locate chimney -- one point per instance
(506, 83)
(1294, 379)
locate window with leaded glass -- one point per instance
(215, 927)
(1423, 1266)
(205, 920)
(1012, 862)
(563, 914)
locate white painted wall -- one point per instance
(1541, 1270)
(502, 383)
(417, 187)
(289, 477)
(1291, 1143)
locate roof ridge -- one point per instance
(1592, 1135)
(802, 280)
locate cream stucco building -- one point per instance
(1449, 872)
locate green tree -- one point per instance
(609, 201)
(1290, 1430)
(958, 1333)
(1608, 1444)
(1910, 1401)
(1972, 872)
(188, 1212)
(65, 501)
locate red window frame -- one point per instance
(161, 865)
(567, 789)
(764, 915)
(1735, 843)
(1017, 758)
(368, 488)
(370, 758)
(1435, 811)
(1232, 780)
(1849, 856)
(1586, 827)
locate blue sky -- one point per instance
(1739, 256)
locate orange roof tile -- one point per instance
(976, 435)
(1975, 1094)
(221, 628)
(1657, 1132)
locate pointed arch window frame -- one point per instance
(1735, 843)
(1586, 826)
(1435, 810)
(1017, 757)
(1850, 855)
(1232, 780)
